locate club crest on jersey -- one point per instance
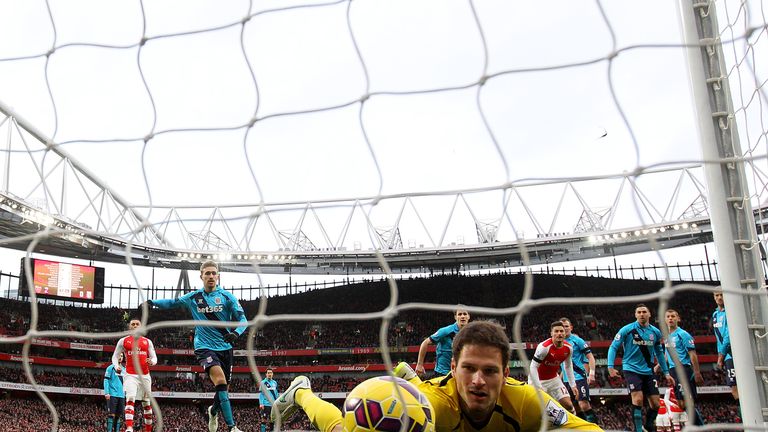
(650, 337)
(217, 300)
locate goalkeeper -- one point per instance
(476, 395)
(213, 345)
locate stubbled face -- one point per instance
(558, 335)
(567, 327)
(462, 317)
(643, 315)
(719, 299)
(479, 375)
(672, 319)
(134, 324)
(270, 374)
(210, 278)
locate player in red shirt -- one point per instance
(545, 366)
(671, 417)
(139, 351)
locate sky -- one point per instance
(283, 103)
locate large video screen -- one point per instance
(62, 281)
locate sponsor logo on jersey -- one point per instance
(643, 342)
(210, 309)
(556, 413)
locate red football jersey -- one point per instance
(550, 357)
(145, 351)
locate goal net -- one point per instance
(320, 140)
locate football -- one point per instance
(374, 405)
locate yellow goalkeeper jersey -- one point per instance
(517, 410)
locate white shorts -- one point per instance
(679, 417)
(137, 389)
(663, 420)
(555, 388)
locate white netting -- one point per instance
(265, 133)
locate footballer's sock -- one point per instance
(637, 418)
(698, 420)
(147, 417)
(590, 416)
(118, 423)
(650, 419)
(323, 415)
(110, 423)
(226, 408)
(129, 416)
(216, 406)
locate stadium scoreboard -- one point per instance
(63, 281)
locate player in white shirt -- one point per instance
(136, 383)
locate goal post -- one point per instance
(733, 223)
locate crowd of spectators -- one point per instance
(88, 415)
(409, 327)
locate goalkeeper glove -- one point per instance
(230, 338)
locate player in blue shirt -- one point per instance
(685, 347)
(584, 371)
(642, 347)
(213, 345)
(444, 340)
(724, 357)
(268, 386)
(115, 396)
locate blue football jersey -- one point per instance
(579, 357)
(642, 345)
(267, 386)
(682, 342)
(443, 352)
(720, 327)
(113, 382)
(218, 305)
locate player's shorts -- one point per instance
(582, 385)
(209, 358)
(115, 405)
(730, 373)
(137, 388)
(555, 388)
(679, 417)
(663, 420)
(679, 392)
(644, 383)
(265, 412)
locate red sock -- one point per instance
(129, 416)
(148, 418)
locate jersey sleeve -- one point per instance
(538, 356)
(436, 336)
(658, 347)
(687, 340)
(569, 367)
(557, 416)
(108, 374)
(118, 350)
(173, 303)
(237, 313)
(614, 348)
(151, 354)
